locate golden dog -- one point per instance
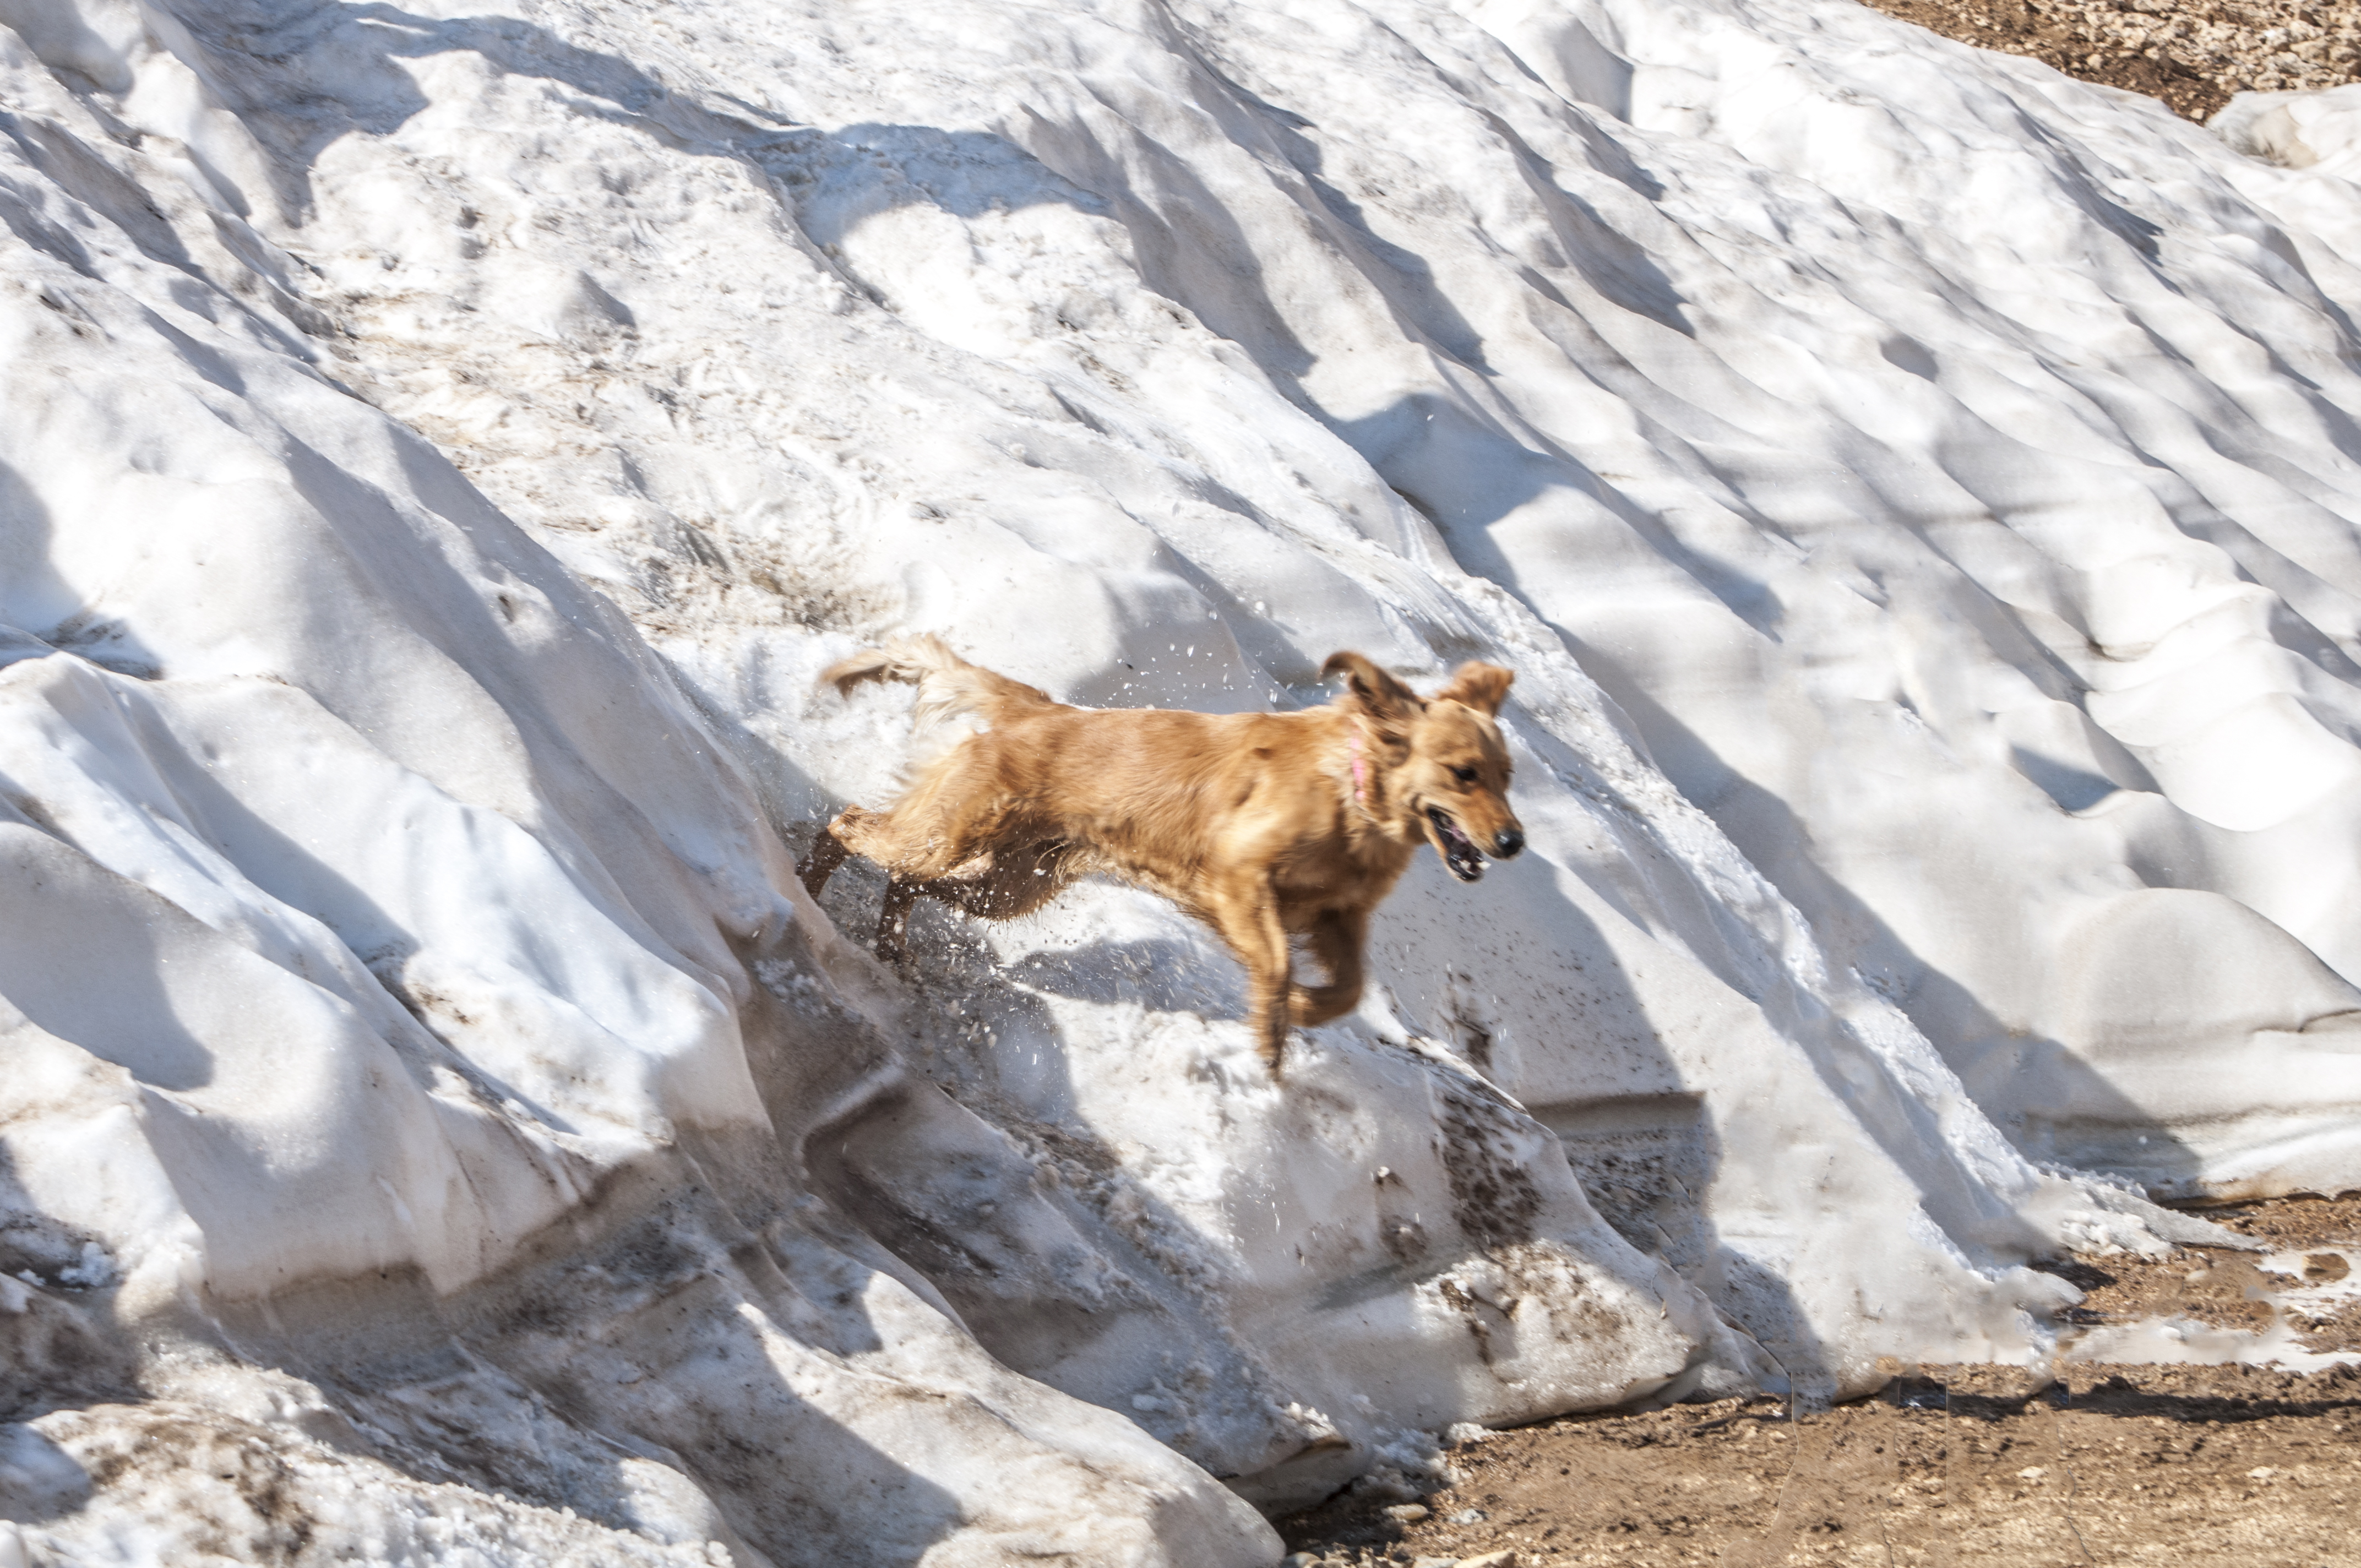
(1265, 825)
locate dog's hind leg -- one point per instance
(948, 819)
(828, 852)
(893, 919)
(1337, 935)
(870, 834)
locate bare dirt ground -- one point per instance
(2226, 1289)
(2192, 53)
(2082, 1465)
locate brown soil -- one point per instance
(2192, 53)
(2222, 1288)
(2090, 1464)
(2287, 1224)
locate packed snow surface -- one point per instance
(440, 445)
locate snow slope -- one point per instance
(441, 446)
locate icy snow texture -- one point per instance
(1914, 491)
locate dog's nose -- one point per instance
(1507, 842)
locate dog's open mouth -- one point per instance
(1459, 852)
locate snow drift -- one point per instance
(439, 446)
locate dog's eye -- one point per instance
(1465, 775)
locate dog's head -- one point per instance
(1446, 767)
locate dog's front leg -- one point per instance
(1337, 938)
(1247, 918)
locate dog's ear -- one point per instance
(1381, 696)
(1482, 687)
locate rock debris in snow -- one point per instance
(2195, 57)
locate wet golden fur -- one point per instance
(1252, 822)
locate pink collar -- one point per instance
(1360, 772)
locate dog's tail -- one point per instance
(947, 684)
